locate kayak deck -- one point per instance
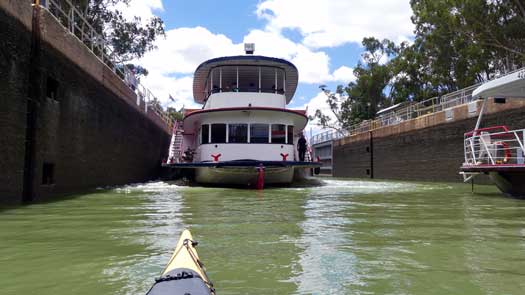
(184, 273)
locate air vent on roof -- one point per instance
(249, 48)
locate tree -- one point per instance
(463, 42)
(128, 39)
(137, 69)
(174, 114)
(360, 100)
(334, 101)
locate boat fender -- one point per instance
(216, 157)
(284, 156)
(506, 150)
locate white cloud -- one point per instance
(331, 23)
(179, 54)
(184, 49)
(163, 86)
(318, 102)
(145, 9)
(344, 74)
(313, 66)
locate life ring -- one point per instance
(506, 150)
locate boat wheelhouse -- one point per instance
(244, 124)
(496, 150)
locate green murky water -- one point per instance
(346, 237)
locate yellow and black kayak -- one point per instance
(185, 273)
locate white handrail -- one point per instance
(506, 148)
(411, 111)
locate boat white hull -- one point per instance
(243, 175)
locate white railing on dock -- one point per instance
(71, 18)
(410, 111)
(494, 146)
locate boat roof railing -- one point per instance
(270, 75)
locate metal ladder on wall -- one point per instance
(175, 152)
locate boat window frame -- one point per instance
(237, 124)
(268, 126)
(208, 134)
(212, 141)
(210, 89)
(284, 137)
(289, 135)
(249, 133)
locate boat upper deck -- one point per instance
(245, 73)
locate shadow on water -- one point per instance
(70, 196)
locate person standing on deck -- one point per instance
(301, 147)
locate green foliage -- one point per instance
(457, 43)
(128, 39)
(174, 114)
(137, 69)
(361, 99)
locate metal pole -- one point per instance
(286, 134)
(227, 132)
(480, 115)
(259, 79)
(284, 82)
(275, 80)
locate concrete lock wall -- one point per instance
(67, 122)
(428, 148)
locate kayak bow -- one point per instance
(184, 273)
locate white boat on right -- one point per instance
(496, 150)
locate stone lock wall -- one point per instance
(64, 111)
(429, 148)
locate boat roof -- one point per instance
(388, 109)
(511, 85)
(203, 71)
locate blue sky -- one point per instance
(322, 38)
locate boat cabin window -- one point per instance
(205, 131)
(218, 133)
(290, 134)
(259, 133)
(237, 133)
(246, 79)
(278, 133)
(229, 79)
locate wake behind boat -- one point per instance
(184, 273)
(244, 132)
